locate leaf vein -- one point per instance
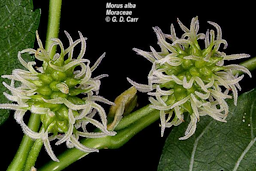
(11, 48)
(11, 14)
(192, 159)
(251, 123)
(243, 154)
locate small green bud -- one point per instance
(180, 92)
(181, 76)
(52, 127)
(58, 76)
(46, 78)
(62, 113)
(200, 64)
(187, 63)
(44, 90)
(47, 120)
(129, 98)
(53, 86)
(194, 72)
(62, 126)
(71, 82)
(205, 71)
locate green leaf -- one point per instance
(215, 145)
(18, 23)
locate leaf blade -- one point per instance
(216, 145)
(18, 23)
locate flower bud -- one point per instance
(195, 81)
(65, 98)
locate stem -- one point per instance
(131, 118)
(122, 136)
(250, 63)
(53, 24)
(126, 129)
(52, 32)
(34, 121)
(21, 156)
(33, 154)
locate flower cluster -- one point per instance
(62, 91)
(187, 79)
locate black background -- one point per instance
(117, 40)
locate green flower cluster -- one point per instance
(62, 92)
(186, 78)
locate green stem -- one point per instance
(53, 24)
(122, 136)
(21, 156)
(249, 64)
(131, 118)
(52, 32)
(33, 154)
(126, 129)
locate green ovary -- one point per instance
(189, 68)
(47, 88)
